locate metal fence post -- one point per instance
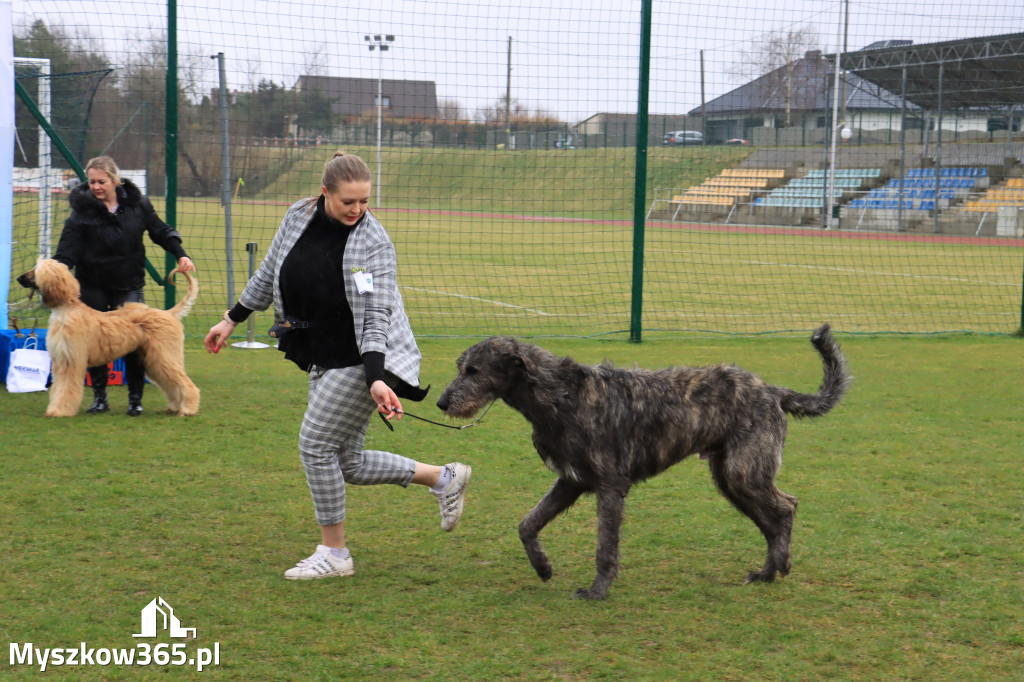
(250, 325)
(640, 186)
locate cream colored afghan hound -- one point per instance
(80, 337)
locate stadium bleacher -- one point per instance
(923, 189)
(810, 190)
(1009, 194)
(728, 187)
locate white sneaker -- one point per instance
(454, 495)
(321, 565)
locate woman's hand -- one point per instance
(388, 403)
(218, 336)
(185, 264)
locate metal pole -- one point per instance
(1009, 131)
(380, 114)
(1020, 331)
(379, 42)
(835, 125)
(903, 148)
(226, 176)
(846, 34)
(640, 186)
(825, 166)
(508, 99)
(171, 136)
(250, 326)
(703, 112)
(938, 152)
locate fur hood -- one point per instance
(84, 202)
(106, 250)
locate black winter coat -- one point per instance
(105, 249)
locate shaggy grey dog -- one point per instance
(602, 429)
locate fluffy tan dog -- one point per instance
(80, 337)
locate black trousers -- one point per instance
(105, 300)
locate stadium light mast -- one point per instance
(382, 44)
(834, 132)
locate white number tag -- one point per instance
(364, 282)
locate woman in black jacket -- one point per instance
(102, 243)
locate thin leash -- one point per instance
(470, 425)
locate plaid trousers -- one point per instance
(331, 442)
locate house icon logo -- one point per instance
(158, 614)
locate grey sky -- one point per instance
(571, 58)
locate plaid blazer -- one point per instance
(380, 321)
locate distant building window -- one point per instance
(387, 101)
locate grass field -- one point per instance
(907, 553)
(493, 274)
(541, 244)
(907, 556)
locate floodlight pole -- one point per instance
(835, 126)
(381, 43)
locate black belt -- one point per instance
(282, 328)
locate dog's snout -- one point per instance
(442, 402)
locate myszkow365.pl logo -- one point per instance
(157, 616)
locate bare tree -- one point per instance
(773, 62)
(451, 110)
(315, 62)
(514, 111)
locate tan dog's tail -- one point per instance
(184, 306)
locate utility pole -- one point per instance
(846, 34)
(703, 114)
(508, 99)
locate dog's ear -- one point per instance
(522, 356)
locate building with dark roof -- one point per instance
(354, 97)
(800, 97)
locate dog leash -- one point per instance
(470, 425)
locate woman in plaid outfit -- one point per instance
(359, 350)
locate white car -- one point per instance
(681, 137)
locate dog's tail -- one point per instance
(185, 304)
(837, 380)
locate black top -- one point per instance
(312, 283)
(313, 291)
(106, 249)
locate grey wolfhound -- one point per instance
(601, 429)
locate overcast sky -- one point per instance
(572, 58)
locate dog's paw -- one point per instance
(760, 577)
(544, 571)
(584, 593)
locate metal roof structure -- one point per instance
(809, 88)
(958, 74)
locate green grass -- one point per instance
(541, 244)
(907, 553)
(482, 274)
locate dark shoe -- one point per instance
(99, 403)
(134, 404)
